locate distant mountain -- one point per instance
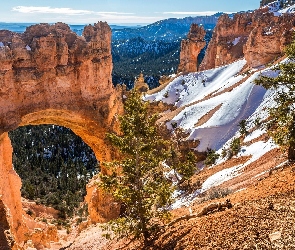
(168, 29)
(153, 49)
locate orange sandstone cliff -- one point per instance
(190, 49)
(50, 75)
(258, 36)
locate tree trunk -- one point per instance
(291, 149)
(291, 152)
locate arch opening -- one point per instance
(101, 206)
(54, 165)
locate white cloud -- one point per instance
(69, 15)
(64, 11)
(49, 10)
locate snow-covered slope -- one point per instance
(210, 105)
(278, 10)
(227, 94)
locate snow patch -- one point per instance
(255, 134)
(236, 41)
(256, 150)
(220, 177)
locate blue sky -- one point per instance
(114, 11)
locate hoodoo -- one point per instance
(191, 48)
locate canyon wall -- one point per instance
(50, 75)
(12, 226)
(191, 48)
(259, 36)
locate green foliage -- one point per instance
(257, 122)
(223, 153)
(242, 126)
(166, 95)
(235, 147)
(183, 163)
(188, 166)
(281, 125)
(54, 165)
(211, 158)
(137, 181)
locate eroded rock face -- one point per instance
(12, 227)
(4, 226)
(140, 85)
(98, 203)
(191, 48)
(49, 75)
(50, 71)
(227, 41)
(258, 36)
(268, 38)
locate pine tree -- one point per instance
(281, 125)
(181, 159)
(137, 181)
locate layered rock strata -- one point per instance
(259, 36)
(191, 48)
(50, 75)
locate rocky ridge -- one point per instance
(259, 36)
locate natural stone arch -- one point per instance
(91, 132)
(49, 75)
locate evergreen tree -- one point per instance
(138, 181)
(281, 125)
(181, 159)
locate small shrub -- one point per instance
(29, 212)
(174, 125)
(166, 95)
(257, 122)
(242, 125)
(216, 193)
(224, 153)
(211, 158)
(235, 147)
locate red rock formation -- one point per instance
(99, 207)
(259, 37)
(268, 38)
(10, 197)
(227, 41)
(190, 49)
(49, 75)
(140, 85)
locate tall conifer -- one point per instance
(137, 181)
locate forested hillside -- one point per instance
(153, 49)
(54, 165)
